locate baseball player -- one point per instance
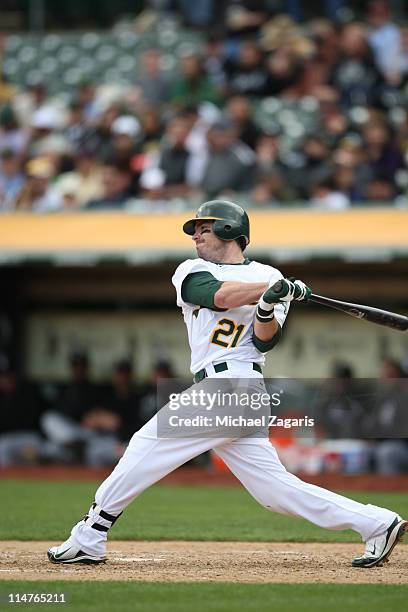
(233, 317)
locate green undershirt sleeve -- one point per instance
(199, 288)
(265, 346)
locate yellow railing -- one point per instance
(270, 231)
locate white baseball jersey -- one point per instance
(217, 336)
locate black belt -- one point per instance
(220, 367)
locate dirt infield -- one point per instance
(206, 561)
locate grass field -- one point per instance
(35, 510)
(219, 597)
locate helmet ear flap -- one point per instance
(227, 229)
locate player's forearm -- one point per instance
(234, 294)
(265, 331)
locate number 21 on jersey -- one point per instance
(227, 334)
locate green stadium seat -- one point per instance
(67, 54)
(59, 58)
(89, 40)
(51, 42)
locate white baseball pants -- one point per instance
(254, 461)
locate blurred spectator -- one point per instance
(199, 14)
(388, 418)
(11, 180)
(247, 75)
(383, 153)
(243, 18)
(239, 112)
(344, 179)
(297, 8)
(175, 156)
(282, 32)
(45, 122)
(271, 184)
(199, 118)
(20, 410)
(285, 70)
(57, 150)
(176, 168)
(12, 136)
(67, 188)
(86, 97)
(326, 39)
(116, 420)
(214, 61)
(334, 123)
(99, 138)
(38, 93)
(148, 392)
(83, 183)
(315, 166)
(152, 130)
(152, 81)
(267, 151)
(122, 398)
(38, 194)
(381, 191)
(79, 395)
(384, 37)
(151, 185)
(231, 164)
(353, 155)
(194, 85)
(116, 181)
(126, 131)
(402, 62)
(196, 121)
(271, 188)
(325, 197)
(27, 101)
(71, 422)
(355, 76)
(339, 411)
(7, 90)
(77, 129)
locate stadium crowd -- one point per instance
(268, 110)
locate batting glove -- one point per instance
(302, 291)
(291, 289)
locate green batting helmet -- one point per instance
(230, 220)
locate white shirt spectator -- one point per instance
(334, 200)
(386, 44)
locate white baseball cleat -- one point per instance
(378, 549)
(69, 552)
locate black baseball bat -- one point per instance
(368, 313)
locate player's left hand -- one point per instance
(302, 291)
(291, 289)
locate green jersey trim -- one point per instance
(246, 262)
(263, 346)
(199, 288)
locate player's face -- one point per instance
(208, 245)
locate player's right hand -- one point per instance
(290, 289)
